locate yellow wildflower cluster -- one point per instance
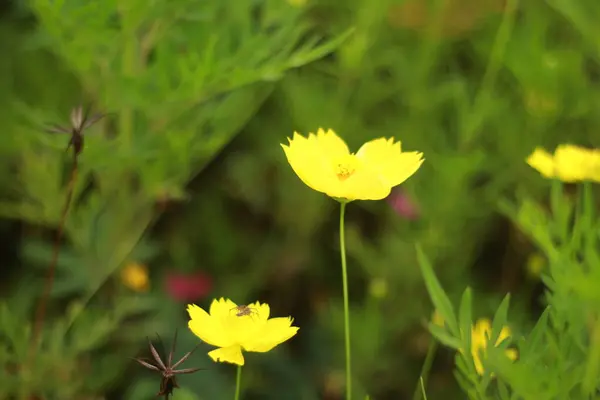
(479, 342)
(569, 163)
(479, 339)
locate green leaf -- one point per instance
(462, 375)
(304, 57)
(465, 319)
(438, 296)
(500, 318)
(503, 390)
(443, 337)
(423, 388)
(536, 334)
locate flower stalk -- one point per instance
(346, 307)
(238, 383)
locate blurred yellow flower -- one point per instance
(135, 276)
(297, 3)
(232, 331)
(437, 319)
(378, 288)
(569, 163)
(535, 265)
(324, 163)
(539, 104)
(479, 342)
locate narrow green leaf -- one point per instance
(465, 314)
(320, 51)
(438, 296)
(538, 331)
(444, 337)
(423, 389)
(465, 321)
(462, 377)
(508, 209)
(503, 390)
(500, 318)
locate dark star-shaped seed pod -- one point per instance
(168, 380)
(80, 121)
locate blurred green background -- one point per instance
(185, 177)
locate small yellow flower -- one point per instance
(437, 319)
(324, 163)
(223, 328)
(479, 342)
(535, 265)
(378, 288)
(539, 104)
(569, 163)
(135, 277)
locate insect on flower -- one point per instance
(244, 310)
(168, 381)
(80, 121)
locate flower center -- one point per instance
(344, 172)
(345, 168)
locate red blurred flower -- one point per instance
(188, 287)
(403, 205)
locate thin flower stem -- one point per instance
(420, 390)
(590, 378)
(346, 308)
(238, 383)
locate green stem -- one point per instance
(590, 379)
(588, 207)
(238, 382)
(491, 72)
(346, 308)
(425, 370)
(129, 69)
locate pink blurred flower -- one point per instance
(188, 287)
(403, 205)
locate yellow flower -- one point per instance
(437, 319)
(479, 341)
(135, 277)
(253, 331)
(569, 163)
(535, 265)
(324, 163)
(378, 288)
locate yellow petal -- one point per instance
(274, 332)
(386, 158)
(331, 144)
(260, 311)
(482, 329)
(363, 184)
(572, 163)
(478, 363)
(207, 328)
(512, 354)
(222, 308)
(542, 161)
(231, 354)
(504, 334)
(309, 162)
